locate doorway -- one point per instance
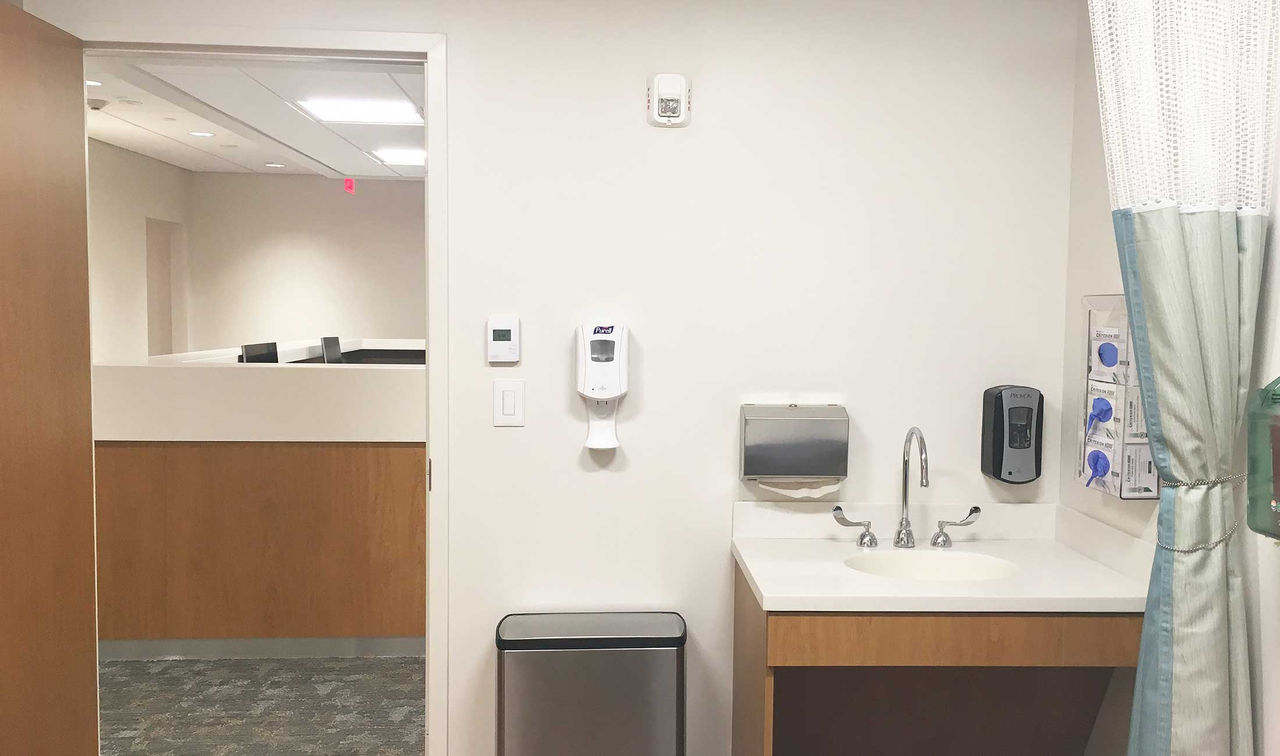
(261, 582)
(48, 585)
(166, 300)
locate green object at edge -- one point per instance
(1264, 460)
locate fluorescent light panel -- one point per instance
(402, 156)
(337, 110)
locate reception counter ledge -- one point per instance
(230, 402)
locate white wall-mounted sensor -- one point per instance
(503, 336)
(602, 379)
(670, 98)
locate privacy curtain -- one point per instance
(1187, 98)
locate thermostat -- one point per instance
(504, 339)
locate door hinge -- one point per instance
(428, 474)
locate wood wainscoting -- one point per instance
(260, 540)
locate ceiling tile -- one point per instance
(112, 130)
(155, 101)
(294, 84)
(160, 125)
(414, 85)
(370, 137)
(244, 99)
(409, 171)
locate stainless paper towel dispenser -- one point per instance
(791, 442)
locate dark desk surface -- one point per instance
(378, 357)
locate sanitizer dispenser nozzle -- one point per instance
(602, 379)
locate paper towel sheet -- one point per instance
(802, 489)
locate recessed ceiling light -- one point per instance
(200, 133)
(275, 165)
(92, 83)
(402, 156)
(336, 110)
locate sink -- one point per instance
(932, 565)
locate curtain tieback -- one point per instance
(1197, 484)
(1205, 483)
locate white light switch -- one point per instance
(508, 403)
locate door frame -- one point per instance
(337, 43)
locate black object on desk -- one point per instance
(386, 356)
(332, 350)
(259, 352)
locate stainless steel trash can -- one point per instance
(596, 684)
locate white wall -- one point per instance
(865, 235)
(871, 204)
(275, 258)
(125, 189)
(266, 258)
(1093, 267)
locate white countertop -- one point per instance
(810, 575)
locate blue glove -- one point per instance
(1099, 465)
(1108, 354)
(1102, 413)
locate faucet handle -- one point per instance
(867, 539)
(943, 541)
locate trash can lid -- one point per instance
(591, 630)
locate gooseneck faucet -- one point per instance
(904, 538)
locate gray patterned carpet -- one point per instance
(264, 707)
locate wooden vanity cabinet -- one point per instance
(822, 684)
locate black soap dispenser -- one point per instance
(1012, 431)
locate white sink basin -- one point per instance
(932, 565)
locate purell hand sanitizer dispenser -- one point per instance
(602, 379)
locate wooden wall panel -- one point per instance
(48, 655)
(261, 540)
(954, 640)
(752, 680)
